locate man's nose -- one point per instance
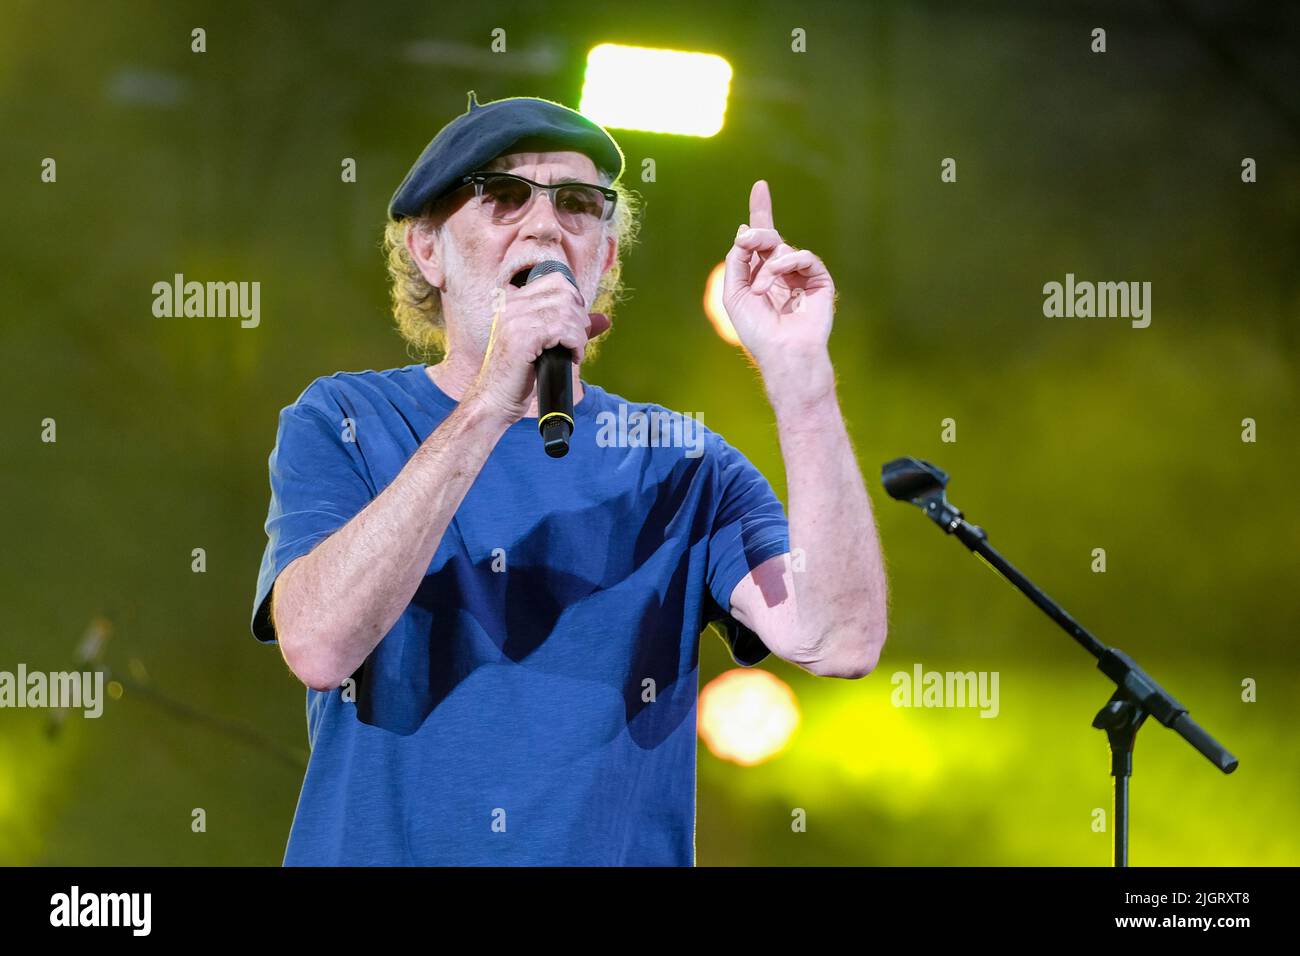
(541, 220)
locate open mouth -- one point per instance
(520, 278)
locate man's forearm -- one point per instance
(332, 606)
(841, 593)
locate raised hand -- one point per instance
(780, 299)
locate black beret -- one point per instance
(485, 131)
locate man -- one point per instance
(501, 647)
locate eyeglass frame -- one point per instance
(479, 180)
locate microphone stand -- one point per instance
(1136, 696)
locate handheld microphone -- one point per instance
(554, 379)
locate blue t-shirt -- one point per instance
(535, 702)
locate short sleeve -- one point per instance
(318, 484)
(749, 526)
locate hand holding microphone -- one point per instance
(539, 333)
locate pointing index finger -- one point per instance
(760, 206)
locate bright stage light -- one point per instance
(715, 310)
(661, 91)
(747, 716)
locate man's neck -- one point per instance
(455, 375)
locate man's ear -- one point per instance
(611, 254)
(424, 244)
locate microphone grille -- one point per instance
(547, 266)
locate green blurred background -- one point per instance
(1071, 434)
